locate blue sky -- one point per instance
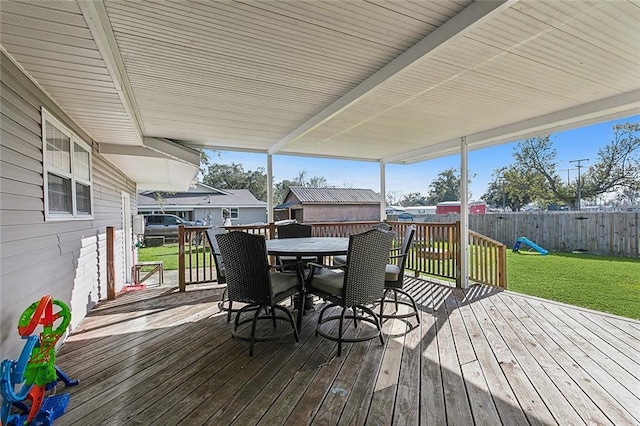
(570, 145)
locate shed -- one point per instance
(307, 204)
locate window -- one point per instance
(67, 172)
(233, 212)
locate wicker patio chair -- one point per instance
(225, 304)
(250, 281)
(394, 278)
(293, 230)
(354, 286)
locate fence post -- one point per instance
(181, 264)
(111, 273)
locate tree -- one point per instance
(281, 189)
(233, 176)
(616, 169)
(393, 198)
(515, 187)
(445, 187)
(413, 199)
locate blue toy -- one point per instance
(525, 240)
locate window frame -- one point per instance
(49, 120)
(231, 210)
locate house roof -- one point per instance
(200, 198)
(393, 81)
(307, 195)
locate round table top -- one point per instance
(308, 246)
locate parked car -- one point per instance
(163, 225)
(405, 217)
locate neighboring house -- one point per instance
(206, 204)
(60, 188)
(306, 204)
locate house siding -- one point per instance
(64, 259)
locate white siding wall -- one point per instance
(65, 259)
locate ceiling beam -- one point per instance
(95, 14)
(463, 22)
(620, 106)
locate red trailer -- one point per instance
(475, 207)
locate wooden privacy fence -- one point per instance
(601, 233)
(435, 251)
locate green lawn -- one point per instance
(167, 253)
(606, 284)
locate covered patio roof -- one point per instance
(387, 81)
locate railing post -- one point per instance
(502, 279)
(181, 264)
(272, 231)
(111, 272)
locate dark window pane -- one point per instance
(59, 193)
(83, 199)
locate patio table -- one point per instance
(318, 247)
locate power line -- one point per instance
(579, 166)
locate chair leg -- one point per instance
(355, 319)
(322, 314)
(286, 311)
(377, 320)
(341, 330)
(395, 298)
(229, 312)
(253, 331)
(273, 317)
(413, 302)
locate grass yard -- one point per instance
(606, 284)
(167, 253)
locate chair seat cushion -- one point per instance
(339, 260)
(283, 282)
(392, 272)
(329, 282)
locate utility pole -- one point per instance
(579, 166)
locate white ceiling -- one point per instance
(381, 80)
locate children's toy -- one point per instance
(525, 240)
(35, 370)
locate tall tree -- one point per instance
(515, 187)
(413, 199)
(445, 187)
(233, 176)
(617, 167)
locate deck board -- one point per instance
(480, 356)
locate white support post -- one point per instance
(463, 282)
(383, 192)
(270, 216)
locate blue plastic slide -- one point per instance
(525, 240)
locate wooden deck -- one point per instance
(486, 357)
